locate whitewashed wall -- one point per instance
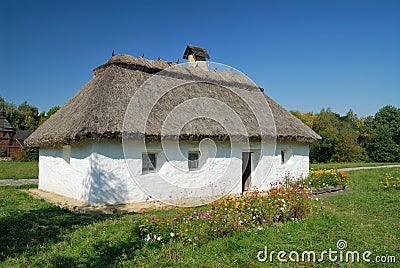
(270, 169)
(97, 172)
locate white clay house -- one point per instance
(193, 131)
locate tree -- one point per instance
(347, 148)
(26, 116)
(44, 116)
(52, 111)
(29, 115)
(307, 118)
(390, 116)
(326, 125)
(381, 147)
(380, 135)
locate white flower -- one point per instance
(147, 238)
(172, 234)
(159, 238)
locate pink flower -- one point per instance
(154, 218)
(201, 217)
(195, 238)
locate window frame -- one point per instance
(147, 163)
(193, 164)
(286, 155)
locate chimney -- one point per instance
(196, 56)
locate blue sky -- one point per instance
(308, 55)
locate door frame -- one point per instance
(246, 170)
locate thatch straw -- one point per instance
(97, 110)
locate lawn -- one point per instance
(18, 170)
(37, 234)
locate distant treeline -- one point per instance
(26, 116)
(351, 138)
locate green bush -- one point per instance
(28, 155)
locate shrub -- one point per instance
(28, 155)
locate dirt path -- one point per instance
(17, 182)
(358, 168)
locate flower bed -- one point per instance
(244, 212)
(327, 178)
(390, 182)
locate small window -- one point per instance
(285, 155)
(193, 160)
(149, 163)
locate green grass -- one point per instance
(37, 234)
(348, 165)
(18, 170)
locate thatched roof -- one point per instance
(98, 109)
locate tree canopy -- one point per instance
(26, 116)
(350, 138)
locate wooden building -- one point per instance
(11, 139)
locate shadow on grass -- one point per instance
(106, 255)
(27, 231)
(112, 254)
